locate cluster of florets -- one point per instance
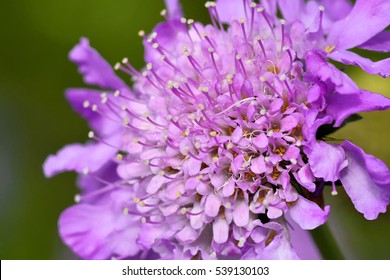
(215, 147)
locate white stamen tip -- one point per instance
(126, 211)
(241, 242)
(321, 8)
(141, 33)
(163, 12)
(116, 93)
(125, 60)
(242, 20)
(143, 220)
(260, 9)
(183, 20)
(85, 170)
(117, 66)
(213, 133)
(293, 161)
(183, 211)
(86, 104)
(91, 134)
(149, 66)
(77, 198)
(334, 193)
(213, 254)
(282, 22)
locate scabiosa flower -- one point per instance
(220, 141)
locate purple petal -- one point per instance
(258, 165)
(307, 214)
(341, 106)
(302, 242)
(212, 204)
(77, 97)
(220, 230)
(187, 234)
(336, 9)
(305, 178)
(81, 229)
(94, 68)
(326, 161)
(241, 212)
(260, 141)
(230, 10)
(174, 9)
(134, 170)
(291, 9)
(77, 157)
(378, 43)
(366, 180)
(318, 66)
(367, 18)
(381, 67)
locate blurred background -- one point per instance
(35, 119)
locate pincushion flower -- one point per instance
(220, 141)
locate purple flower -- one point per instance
(219, 141)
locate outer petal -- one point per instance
(381, 67)
(367, 18)
(378, 43)
(341, 106)
(95, 232)
(230, 10)
(326, 161)
(174, 9)
(366, 181)
(320, 68)
(77, 157)
(279, 249)
(77, 97)
(308, 215)
(94, 68)
(291, 9)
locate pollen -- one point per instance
(329, 49)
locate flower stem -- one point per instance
(326, 243)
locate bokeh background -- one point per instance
(35, 119)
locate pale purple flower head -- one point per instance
(220, 140)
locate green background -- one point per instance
(35, 119)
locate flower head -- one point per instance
(220, 140)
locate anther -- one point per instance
(86, 104)
(126, 211)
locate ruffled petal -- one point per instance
(378, 43)
(174, 9)
(381, 67)
(326, 161)
(341, 106)
(318, 66)
(366, 181)
(307, 214)
(95, 70)
(77, 157)
(77, 98)
(367, 18)
(80, 227)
